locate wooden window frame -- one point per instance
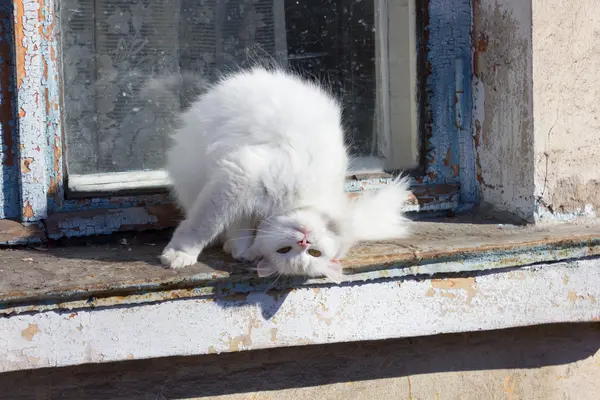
(443, 181)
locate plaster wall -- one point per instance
(566, 97)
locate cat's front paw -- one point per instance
(246, 256)
(172, 258)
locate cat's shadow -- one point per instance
(127, 263)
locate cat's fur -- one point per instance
(259, 163)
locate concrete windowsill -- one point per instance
(110, 300)
(124, 269)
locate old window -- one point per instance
(116, 134)
(90, 146)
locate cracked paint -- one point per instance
(445, 287)
(29, 332)
(385, 310)
(9, 176)
(449, 43)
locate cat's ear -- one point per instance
(333, 271)
(266, 268)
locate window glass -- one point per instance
(111, 48)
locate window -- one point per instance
(91, 145)
(116, 134)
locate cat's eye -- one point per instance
(284, 250)
(314, 252)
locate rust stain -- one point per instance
(25, 163)
(29, 332)
(28, 210)
(54, 187)
(45, 72)
(130, 356)
(447, 158)
(468, 284)
(316, 290)
(273, 335)
(212, 350)
(22, 113)
(430, 292)
(19, 36)
(565, 279)
(455, 169)
(480, 42)
(57, 155)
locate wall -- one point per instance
(566, 61)
(549, 362)
(536, 107)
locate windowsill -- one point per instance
(111, 301)
(106, 271)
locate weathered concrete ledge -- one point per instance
(112, 301)
(563, 292)
(125, 269)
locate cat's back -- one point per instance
(262, 104)
(260, 116)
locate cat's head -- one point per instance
(302, 242)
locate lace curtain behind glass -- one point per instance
(111, 48)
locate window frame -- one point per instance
(444, 180)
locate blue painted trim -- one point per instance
(451, 150)
(9, 176)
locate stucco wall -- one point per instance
(537, 106)
(566, 66)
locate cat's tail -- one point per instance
(378, 215)
(175, 92)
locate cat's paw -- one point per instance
(172, 258)
(227, 247)
(247, 256)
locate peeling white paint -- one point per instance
(565, 292)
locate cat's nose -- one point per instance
(304, 243)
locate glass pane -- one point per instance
(111, 48)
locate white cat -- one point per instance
(259, 163)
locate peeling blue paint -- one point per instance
(9, 177)
(451, 148)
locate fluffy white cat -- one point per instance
(259, 164)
